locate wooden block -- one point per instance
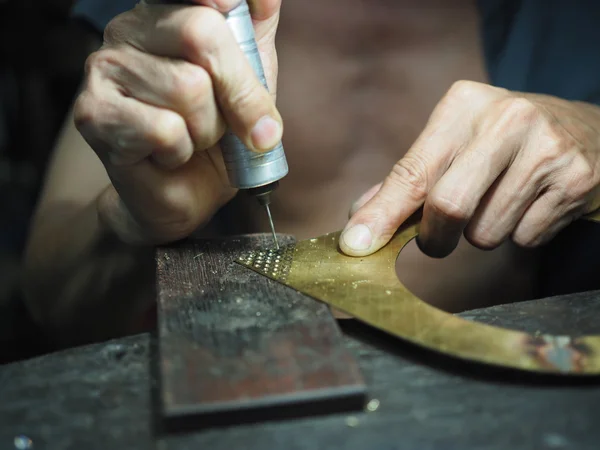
(237, 347)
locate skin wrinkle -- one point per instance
(319, 109)
(539, 140)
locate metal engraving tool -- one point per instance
(256, 173)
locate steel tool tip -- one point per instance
(272, 226)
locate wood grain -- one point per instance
(237, 347)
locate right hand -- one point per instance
(158, 97)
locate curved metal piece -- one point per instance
(369, 289)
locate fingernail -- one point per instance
(358, 237)
(266, 133)
(226, 5)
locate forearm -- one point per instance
(81, 283)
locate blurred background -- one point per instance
(43, 49)
(42, 55)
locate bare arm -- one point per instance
(156, 100)
(81, 283)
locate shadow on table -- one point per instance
(526, 316)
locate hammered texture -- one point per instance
(274, 263)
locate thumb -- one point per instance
(363, 199)
(401, 195)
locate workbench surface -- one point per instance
(104, 397)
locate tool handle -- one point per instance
(246, 169)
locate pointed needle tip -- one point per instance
(272, 226)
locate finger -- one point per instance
(363, 199)
(124, 131)
(531, 173)
(404, 190)
(220, 5)
(450, 128)
(203, 37)
(260, 9)
(503, 206)
(166, 83)
(454, 199)
(545, 217)
(264, 9)
(401, 194)
(151, 206)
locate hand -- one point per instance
(490, 164)
(157, 99)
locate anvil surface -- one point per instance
(105, 396)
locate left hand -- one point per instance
(490, 164)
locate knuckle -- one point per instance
(92, 62)
(524, 239)
(554, 141)
(83, 111)
(519, 110)
(553, 150)
(580, 180)
(86, 112)
(102, 62)
(115, 30)
(168, 131)
(482, 239)
(201, 32)
(245, 96)
(448, 209)
(464, 89)
(460, 87)
(193, 84)
(461, 93)
(410, 173)
(584, 170)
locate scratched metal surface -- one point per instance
(368, 289)
(235, 346)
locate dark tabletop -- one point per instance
(103, 397)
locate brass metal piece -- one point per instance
(369, 289)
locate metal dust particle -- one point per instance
(167, 257)
(258, 314)
(388, 292)
(373, 405)
(23, 443)
(238, 300)
(313, 240)
(352, 421)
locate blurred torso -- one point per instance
(357, 82)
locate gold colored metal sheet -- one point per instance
(368, 289)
